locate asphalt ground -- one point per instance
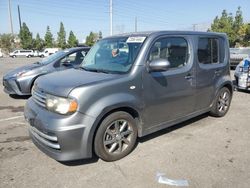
(205, 151)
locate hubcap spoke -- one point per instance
(123, 126)
(111, 150)
(120, 146)
(125, 140)
(117, 127)
(125, 133)
(108, 142)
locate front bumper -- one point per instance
(13, 86)
(61, 137)
(242, 82)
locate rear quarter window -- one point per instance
(211, 50)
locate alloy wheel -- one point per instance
(117, 136)
(223, 102)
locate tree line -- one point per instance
(28, 42)
(25, 39)
(237, 31)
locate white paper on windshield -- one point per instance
(135, 39)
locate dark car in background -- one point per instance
(237, 55)
(20, 81)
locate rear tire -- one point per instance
(116, 136)
(221, 103)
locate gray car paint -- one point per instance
(153, 98)
(22, 85)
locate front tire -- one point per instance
(116, 136)
(222, 103)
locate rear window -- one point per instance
(208, 50)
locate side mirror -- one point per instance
(159, 65)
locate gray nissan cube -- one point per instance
(129, 86)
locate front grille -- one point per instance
(39, 97)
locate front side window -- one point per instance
(113, 55)
(208, 50)
(53, 57)
(75, 58)
(173, 49)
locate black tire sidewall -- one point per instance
(98, 142)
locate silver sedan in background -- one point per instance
(20, 81)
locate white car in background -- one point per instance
(22, 53)
(48, 51)
(1, 54)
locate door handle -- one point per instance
(189, 77)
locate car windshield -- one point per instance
(52, 57)
(113, 55)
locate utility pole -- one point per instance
(19, 17)
(194, 27)
(10, 17)
(136, 24)
(111, 16)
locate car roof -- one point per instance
(149, 33)
(76, 49)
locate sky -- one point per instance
(83, 16)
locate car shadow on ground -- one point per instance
(20, 97)
(172, 128)
(94, 159)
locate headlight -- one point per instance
(23, 73)
(61, 105)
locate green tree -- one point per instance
(238, 26)
(247, 35)
(25, 37)
(100, 35)
(91, 38)
(39, 43)
(234, 27)
(6, 41)
(61, 37)
(72, 41)
(48, 38)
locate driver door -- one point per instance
(169, 95)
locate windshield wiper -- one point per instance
(95, 70)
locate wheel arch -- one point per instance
(106, 112)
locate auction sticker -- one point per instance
(136, 39)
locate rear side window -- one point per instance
(208, 50)
(173, 49)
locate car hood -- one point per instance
(63, 82)
(25, 68)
